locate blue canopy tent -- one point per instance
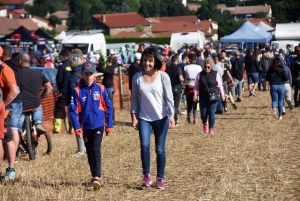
(247, 33)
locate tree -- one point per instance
(134, 5)
(260, 14)
(49, 32)
(54, 20)
(96, 7)
(208, 10)
(150, 8)
(139, 28)
(231, 3)
(42, 7)
(80, 17)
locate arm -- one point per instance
(290, 77)
(220, 85)
(230, 77)
(169, 98)
(134, 102)
(285, 76)
(196, 87)
(74, 110)
(106, 70)
(13, 91)
(108, 113)
(47, 90)
(180, 75)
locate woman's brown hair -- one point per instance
(112, 60)
(276, 64)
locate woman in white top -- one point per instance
(152, 107)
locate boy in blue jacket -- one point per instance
(91, 113)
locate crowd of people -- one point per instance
(204, 80)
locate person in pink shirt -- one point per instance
(208, 82)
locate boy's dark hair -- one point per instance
(192, 58)
(184, 56)
(174, 58)
(65, 54)
(7, 51)
(198, 53)
(152, 52)
(267, 49)
(223, 51)
(220, 57)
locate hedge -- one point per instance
(156, 40)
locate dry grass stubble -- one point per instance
(251, 157)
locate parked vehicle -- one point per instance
(189, 38)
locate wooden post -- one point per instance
(121, 87)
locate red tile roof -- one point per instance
(19, 11)
(255, 21)
(193, 6)
(244, 10)
(190, 18)
(60, 27)
(221, 6)
(9, 25)
(204, 26)
(61, 14)
(121, 19)
(2, 8)
(125, 34)
(12, 2)
(41, 19)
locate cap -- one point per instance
(112, 51)
(137, 55)
(251, 49)
(88, 67)
(1, 51)
(77, 51)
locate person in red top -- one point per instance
(9, 90)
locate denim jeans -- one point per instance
(160, 128)
(208, 108)
(219, 105)
(110, 92)
(16, 112)
(37, 118)
(277, 94)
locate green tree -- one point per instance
(54, 20)
(42, 7)
(139, 28)
(208, 10)
(80, 17)
(134, 5)
(260, 14)
(96, 7)
(150, 8)
(229, 3)
(49, 32)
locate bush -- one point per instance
(156, 40)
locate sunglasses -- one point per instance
(208, 67)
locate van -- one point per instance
(86, 41)
(189, 38)
(281, 44)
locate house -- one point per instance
(165, 26)
(3, 11)
(115, 23)
(41, 22)
(19, 13)
(10, 24)
(15, 4)
(126, 34)
(246, 12)
(62, 15)
(193, 6)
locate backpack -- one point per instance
(264, 63)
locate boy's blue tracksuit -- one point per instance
(91, 113)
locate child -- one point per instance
(91, 111)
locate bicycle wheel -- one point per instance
(44, 143)
(29, 138)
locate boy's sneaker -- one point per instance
(96, 184)
(77, 154)
(10, 174)
(40, 128)
(205, 128)
(211, 131)
(280, 117)
(160, 184)
(253, 93)
(147, 181)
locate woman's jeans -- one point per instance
(207, 109)
(277, 94)
(110, 92)
(160, 128)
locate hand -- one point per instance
(195, 98)
(135, 124)
(232, 83)
(107, 134)
(79, 133)
(223, 98)
(172, 123)
(108, 131)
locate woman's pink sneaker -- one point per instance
(211, 131)
(205, 128)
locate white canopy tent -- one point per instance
(60, 36)
(265, 27)
(288, 31)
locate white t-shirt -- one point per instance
(190, 73)
(153, 106)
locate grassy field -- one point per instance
(252, 156)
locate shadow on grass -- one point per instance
(122, 123)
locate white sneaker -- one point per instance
(280, 117)
(183, 112)
(77, 154)
(274, 112)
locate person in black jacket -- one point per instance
(252, 69)
(277, 76)
(108, 79)
(62, 78)
(175, 73)
(134, 68)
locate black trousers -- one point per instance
(177, 98)
(59, 108)
(93, 140)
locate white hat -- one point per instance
(137, 55)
